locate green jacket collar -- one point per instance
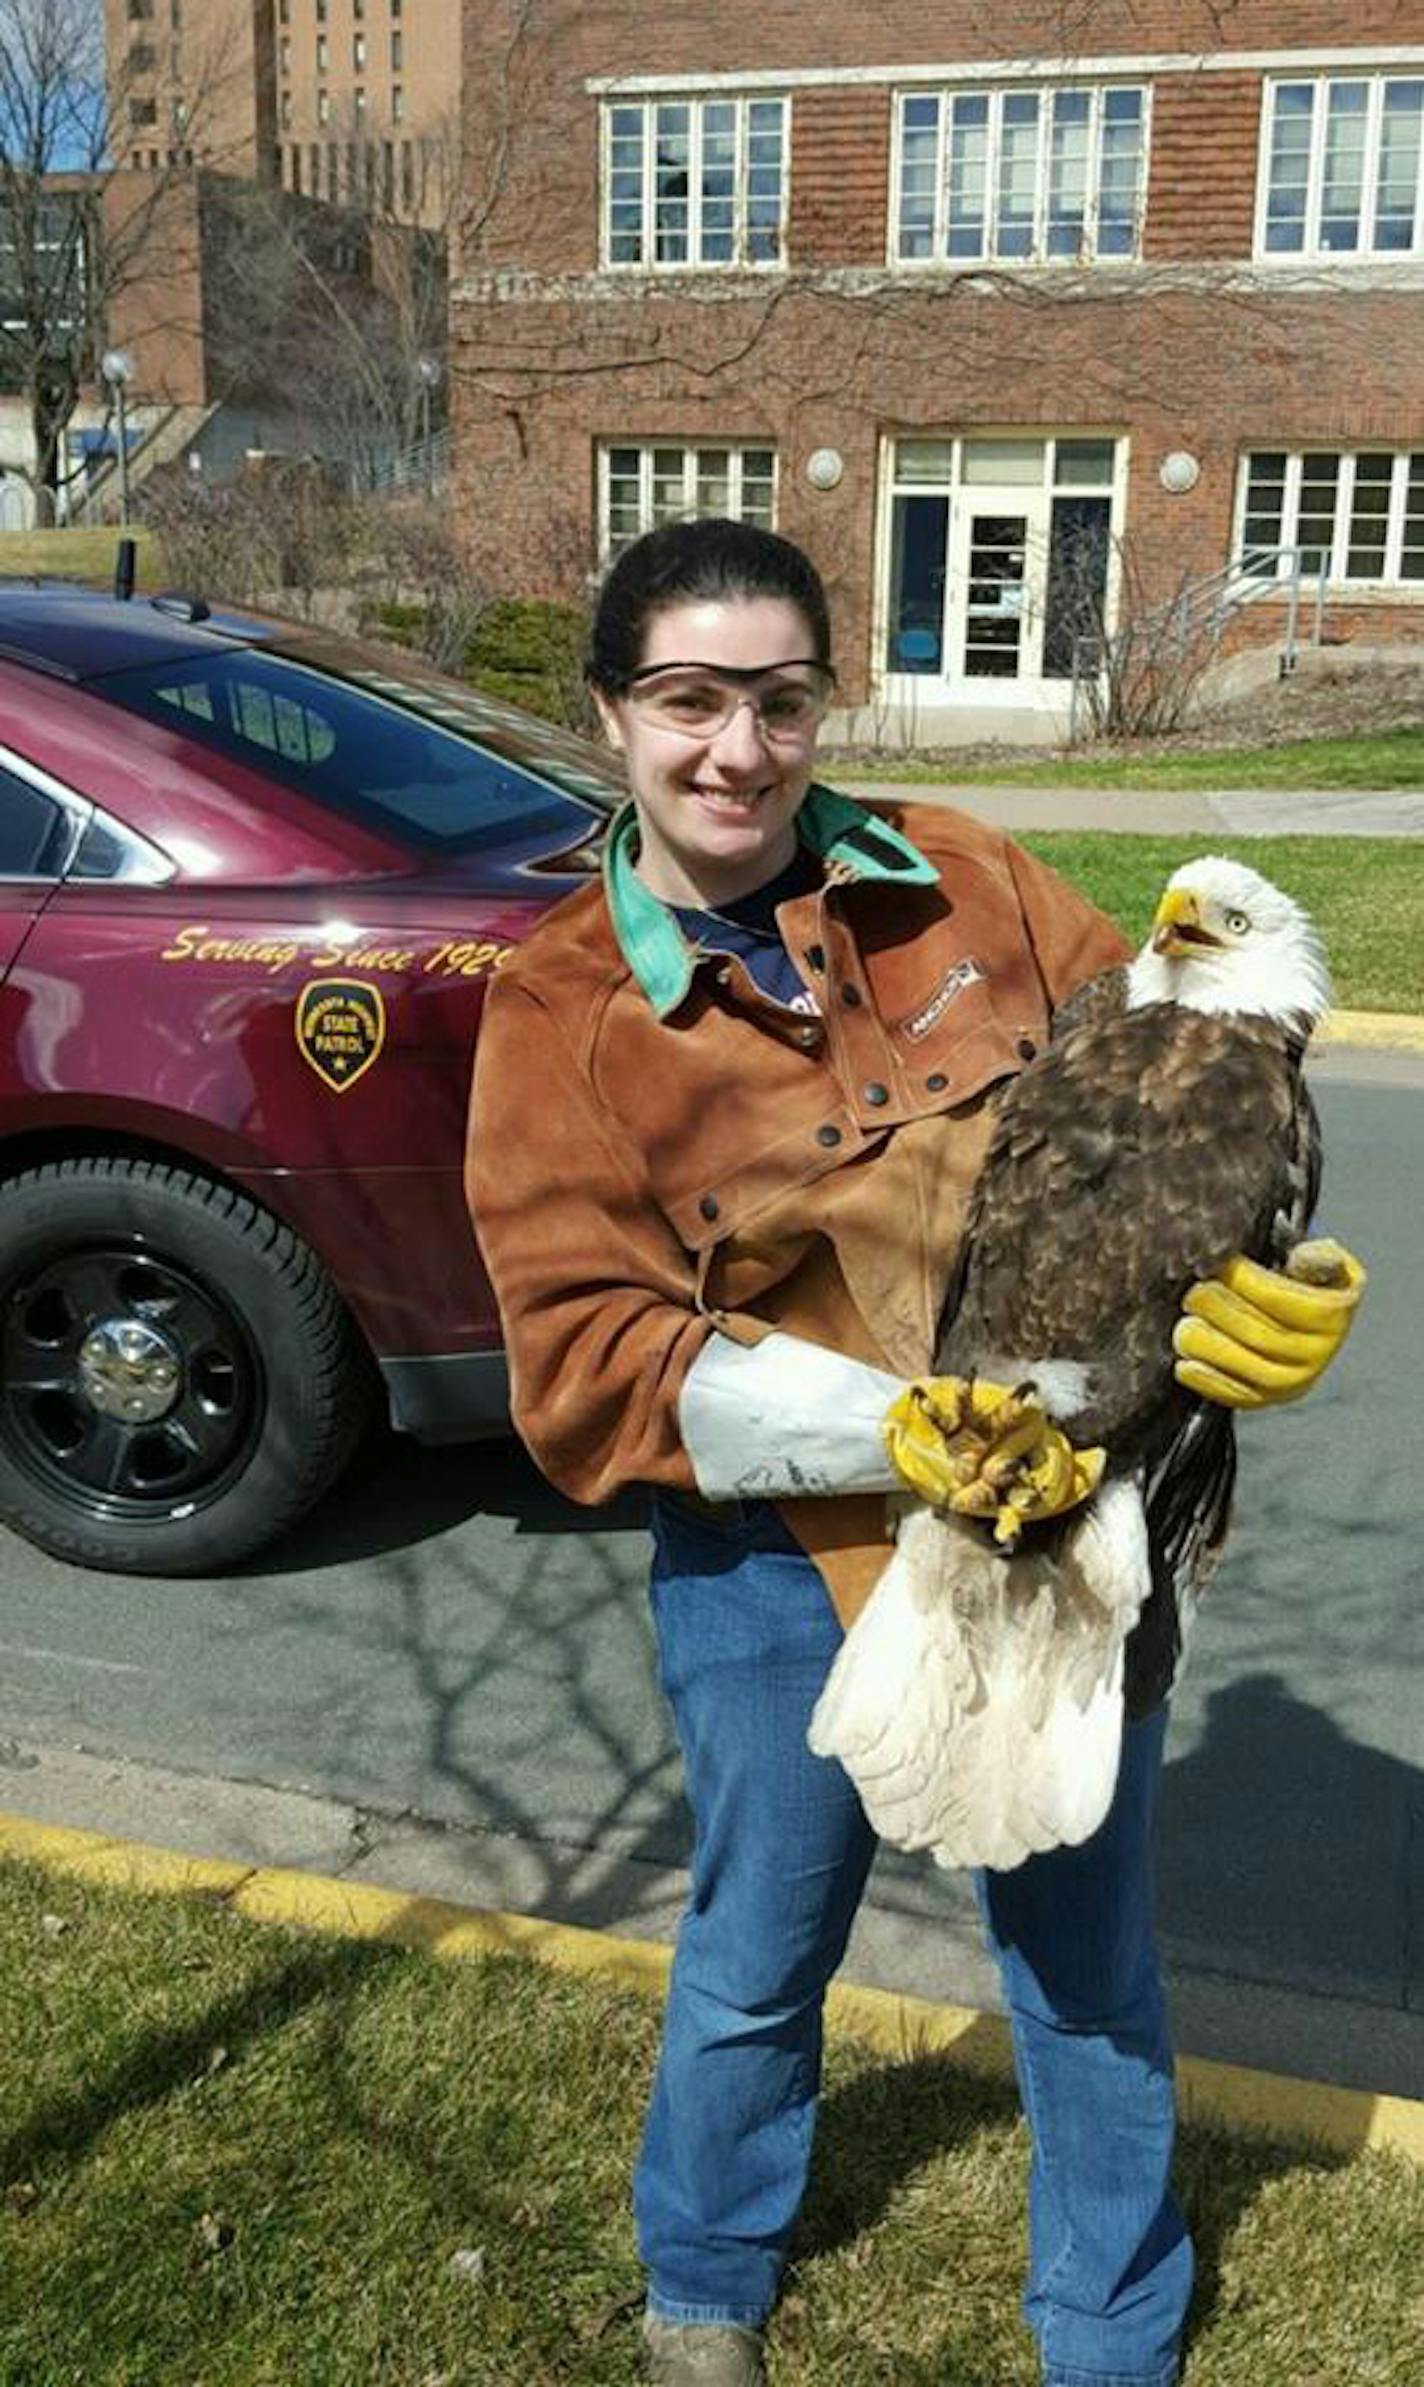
(662, 959)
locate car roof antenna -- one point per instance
(124, 568)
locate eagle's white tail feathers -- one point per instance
(977, 1701)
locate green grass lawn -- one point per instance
(77, 554)
(240, 2156)
(1365, 894)
(1391, 758)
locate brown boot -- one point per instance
(702, 2354)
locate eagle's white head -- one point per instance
(1224, 939)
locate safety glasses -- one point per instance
(697, 700)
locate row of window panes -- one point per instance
(1343, 173)
(342, 170)
(1000, 463)
(695, 182)
(644, 486)
(1021, 176)
(1360, 516)
(358, 54)
(1353, 515)
(358, 106)
(1053, 175)
(284, 10)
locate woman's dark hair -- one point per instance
(696, 563)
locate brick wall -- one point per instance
(1185, 370)
(840, 173)
(157, 312)
(1201, 193)
(1186, 352)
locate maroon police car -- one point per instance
(254, 882)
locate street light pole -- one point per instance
(429, 371)
(117, 369)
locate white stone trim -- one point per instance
(908, 75)
(643, 286)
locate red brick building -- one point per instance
(999, 310)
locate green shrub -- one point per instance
(530, 651)
(401, 624)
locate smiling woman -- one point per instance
(716, 708)
(768, 1048)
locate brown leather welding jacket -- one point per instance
(659, 1152)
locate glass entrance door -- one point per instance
(997, 557)
(998, 563)
(994, 598)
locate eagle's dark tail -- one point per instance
(1188, 1487)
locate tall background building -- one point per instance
(349, 101)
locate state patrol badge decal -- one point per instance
(341, 1027)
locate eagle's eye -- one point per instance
(1236, 922)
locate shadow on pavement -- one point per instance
(399, 1493)
(1293, 1846)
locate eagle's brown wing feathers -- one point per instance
(1133, 1157)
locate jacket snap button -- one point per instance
(852, 997)
(808, 1035)
(936, 1082)
(876, 1094)
(828, 1135)
(1026, 1048)
(708, 1205)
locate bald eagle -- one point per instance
(978, 1700)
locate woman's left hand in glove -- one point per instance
(1252, 1337)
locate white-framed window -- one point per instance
(1355, 513)
(671, 481)
(693, 182)
(1049, 176)
(1342, 167)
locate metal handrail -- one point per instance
(1207, 602)
(420, 465)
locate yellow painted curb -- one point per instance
(899, 2026)
(1397, 1031)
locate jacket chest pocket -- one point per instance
(975, 1022)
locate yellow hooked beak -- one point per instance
(1177, 929)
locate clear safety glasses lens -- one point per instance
(699, 704)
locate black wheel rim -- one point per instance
(132, 1389)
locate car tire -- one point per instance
(179, 1379)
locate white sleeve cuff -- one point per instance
(783, 1417)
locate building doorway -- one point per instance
(999, 557)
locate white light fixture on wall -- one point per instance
(1179, 472)
(824, 468)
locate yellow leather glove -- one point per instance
(1251, 1337)
(986, 1450)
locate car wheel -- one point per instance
(179, 1379)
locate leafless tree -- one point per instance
(336, 298)
(1141, 675)
(75, 234)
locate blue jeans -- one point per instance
(746, 1636)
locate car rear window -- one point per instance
(395, 755)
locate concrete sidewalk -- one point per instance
(1237, 812)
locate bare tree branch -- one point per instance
(74, 234)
